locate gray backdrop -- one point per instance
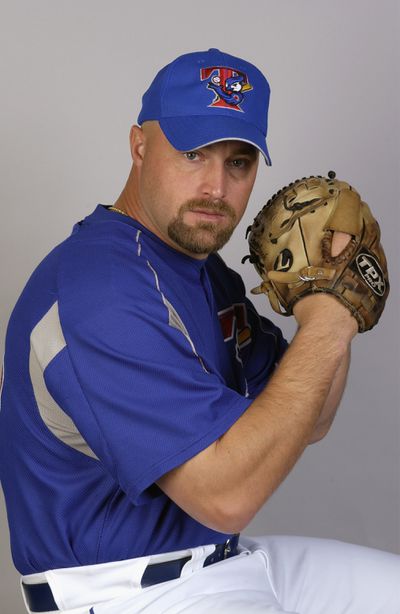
(72, 74)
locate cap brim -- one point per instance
(187, 133)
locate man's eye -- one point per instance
(240, 162)
(191, 155)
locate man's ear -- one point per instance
(137, 141)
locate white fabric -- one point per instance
(273, 575)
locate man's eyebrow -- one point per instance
(241, 148)
(246, 149)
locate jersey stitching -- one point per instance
(174, 319)
(103, 524)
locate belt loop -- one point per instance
(23, 594)
(199, 555)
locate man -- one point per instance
(145, 418)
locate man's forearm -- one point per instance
(280, 423)
(331, 405)
(228, 482)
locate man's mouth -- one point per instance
(208, 215)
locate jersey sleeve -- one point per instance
(137, 389)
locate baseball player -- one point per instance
(148, 411)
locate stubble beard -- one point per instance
(203, 237)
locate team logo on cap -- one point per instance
(228, 86)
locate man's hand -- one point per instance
(327, 314)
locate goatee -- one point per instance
(203, 237)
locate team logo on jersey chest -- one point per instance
(229, 86)
(235, 318)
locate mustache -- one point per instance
(214, 206)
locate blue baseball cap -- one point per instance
(209, 96)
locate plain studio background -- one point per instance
(72, 76)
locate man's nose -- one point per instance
(214, 185)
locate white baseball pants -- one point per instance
(271, 575)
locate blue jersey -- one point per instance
(124, 358)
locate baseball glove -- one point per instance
(290, 244)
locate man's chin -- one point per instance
(201, 241)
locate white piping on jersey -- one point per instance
(174, 319)
(139, 249)
(235, 333)
(237, 346)
(47, 340)
(237, 352)
(266, 332)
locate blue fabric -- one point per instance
(162, 355)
